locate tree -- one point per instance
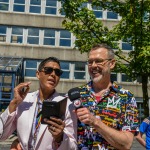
(133, 28)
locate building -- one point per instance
(32, 30)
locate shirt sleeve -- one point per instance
(144, 125)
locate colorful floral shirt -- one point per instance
(116, 108)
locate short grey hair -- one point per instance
(111, 53)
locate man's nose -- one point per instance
(52, 73)
(94, 64)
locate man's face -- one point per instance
(48, 77)
(99, 65)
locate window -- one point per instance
(83, 5)
(35, 6)
(79, 71)
(65, 38)
(49, 37)
(19, 5)
(112, 15)
(146, 16)
(98, 12)
(31, 68)
(126, 46)
(65, 66)
(71, 70)
(33, 36)
(126, 78)
(17, 35)
(37, 36)
(4, 5)
(113, 76)
(140, 109)
(51, 7)
(3, 33)
(62, 12)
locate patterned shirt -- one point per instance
(116, 108)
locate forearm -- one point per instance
(9, 124)
(118, 139)
(13, 106)
(141, 140)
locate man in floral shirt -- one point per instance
(108, 117)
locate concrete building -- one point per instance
(32, 30)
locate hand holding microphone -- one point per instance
(82, 113)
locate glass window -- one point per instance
(63, 12)
(4, 5)
(17, 35)
(31, 68)
(51, 7)
(19, 5)
(33, 36)
(79, 72)
(112, 15)
(146, 16)
(83, 5)
(126, 46)
(49, 37)
(113, 77)
(66, 71)
(31, 64)
(3, 33)
(98, 12)
(35, 6)
(30, 73)
(65, 38)
(126, 78)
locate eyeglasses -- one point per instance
(99, 61)
(49, 70)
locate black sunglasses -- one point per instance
(49, 70)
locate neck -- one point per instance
(101, 87)
(45, 94)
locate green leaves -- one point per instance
(134, 28)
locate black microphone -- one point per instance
(74, 96)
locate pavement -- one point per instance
(6, 144)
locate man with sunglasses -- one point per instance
(23, 114)
(107, 118)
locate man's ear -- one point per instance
(112, 64)
(37, 74)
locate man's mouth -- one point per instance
(51, 81)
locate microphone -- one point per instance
(74, 96)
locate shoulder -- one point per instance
(120, 90)
(147, 120)
(31, 95)
(86, 86)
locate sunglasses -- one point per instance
(49, 70)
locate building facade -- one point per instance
(32, 30)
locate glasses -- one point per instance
(99, 61)
(49, 70)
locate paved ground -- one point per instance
(137, 146)
(6, 145)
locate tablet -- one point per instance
(54, 109)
